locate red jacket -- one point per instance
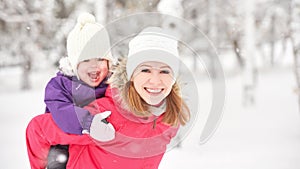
(139, 144)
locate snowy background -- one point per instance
(257, 44)
(262, 136)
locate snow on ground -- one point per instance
(263, 136)
(17, 108)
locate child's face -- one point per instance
(93, 71)
(153, 81)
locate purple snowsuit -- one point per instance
(65, 98)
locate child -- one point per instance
(81, 79)
(82, 76)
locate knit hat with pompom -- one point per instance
(87, 40)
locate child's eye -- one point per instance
(100, 59)
(86, 60)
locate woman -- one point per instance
(142, 103)
(145, 104)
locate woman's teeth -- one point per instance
(153, 90)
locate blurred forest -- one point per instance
(258, 34)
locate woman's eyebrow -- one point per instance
(156, 67)
(165, 67)
(145, 66)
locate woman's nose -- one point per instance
(154, 78)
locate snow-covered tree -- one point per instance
(38, 28)
(249, 44)
(22, 26)
(33, 32)
(271, 22)
(294, 36)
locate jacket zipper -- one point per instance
(154, 123)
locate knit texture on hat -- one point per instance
(153, 44)
(87, 40)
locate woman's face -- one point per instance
(93, 71)
(153, 81)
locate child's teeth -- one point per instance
(94, 75)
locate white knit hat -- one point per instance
(87, 40)
(153, 44)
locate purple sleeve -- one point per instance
(85, 118)
(68, 117)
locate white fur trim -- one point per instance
(65, 67)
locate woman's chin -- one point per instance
(154, 102)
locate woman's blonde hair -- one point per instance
(177, 111)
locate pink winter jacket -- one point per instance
(139, 143)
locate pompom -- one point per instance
(85, 18)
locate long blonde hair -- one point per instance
(177, 111)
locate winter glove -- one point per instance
(102, 130)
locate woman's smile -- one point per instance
(153, 90)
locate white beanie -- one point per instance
(87, 40)
(153, 44)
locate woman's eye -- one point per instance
(165, 71)
(87, 60)
(145, 70)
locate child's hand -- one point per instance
(101, 130)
